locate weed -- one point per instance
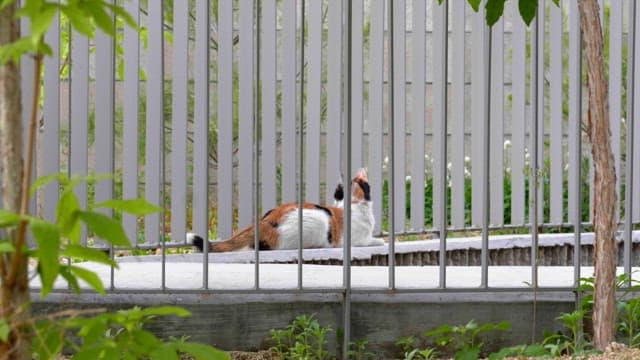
(304, 338)
(464, 340)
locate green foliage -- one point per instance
(464, 341)
(629, 321)
(304, 338)
(495, 9)
(117, 335)
(572, 343)
(520, 351)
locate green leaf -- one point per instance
(44, 180)
(468, 354)
(104, 21)
(475, 4)
(88, 277)
(494, 10)
(202, 351)
(41, 23)
(6, 247)
(67, 215)
(528, 9)
(5, 329)
(5, 3)
(131, 206)
(84, 253)
(47, 237)
(105, 227)
(164, 352)
(79, 21)
(8, 218)
(123, 14)
(71, 279)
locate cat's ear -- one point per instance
(361, 174)
(338, 194)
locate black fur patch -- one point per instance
(263, 245)
(338, 194)
(267, 214)
(273, 224)
(198, 242)
(327, 211)
(365, 189)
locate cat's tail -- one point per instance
(239, 241)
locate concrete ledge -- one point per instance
(512, 250)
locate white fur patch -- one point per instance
(316, 224)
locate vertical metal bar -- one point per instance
(533, 172)
(457, 114)
(399, 96)
(615, 89)
(486, 158)
(246, 113)
(301, 184)
(540, 103)
(334, 97)
(130, 111)
(313, 96)
(518, 121)
(635, 197)
(105, 122)
(268, 101)
(496, 129)
(440, 132)
(556, 158)
(51, 133)
(376, 108)
(256, 143)
(575, 135)
(179, 113)
(225, 119)
(155, 119)
(346, 257)
(392, 144)
(418, 114)
(629, 165)
(288, 118)
(201, 132)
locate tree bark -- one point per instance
(14, 297)
(605, 199)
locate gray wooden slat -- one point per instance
(154, 121)
(334, 97)
(268, 80)
(477, 124)
(289, 71)
(418, 111)
(225, 119)
(439, 107)
(518, 124)
(555, 113)
(130, 109)
(245, 113)
(312, 110)
(50, 153)
(574, 103)
(201, 122)
(457, 114)
(541, 106)
(78, 144)
(497, 125)
(105, 116)
(399, 100)
(376, 112)
(615, 88)
(179, 113)
(357, 24)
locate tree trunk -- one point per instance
(605, 199)
(14, 297)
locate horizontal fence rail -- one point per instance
(219, 113)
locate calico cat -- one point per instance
(322, 225)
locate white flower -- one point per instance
(408, 178)
(467, 159)
(507, 143)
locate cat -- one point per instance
(322, 225)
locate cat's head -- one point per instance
(360, 189)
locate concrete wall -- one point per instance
(243, 321)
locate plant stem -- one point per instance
(17, 258)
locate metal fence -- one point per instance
(219, 114)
